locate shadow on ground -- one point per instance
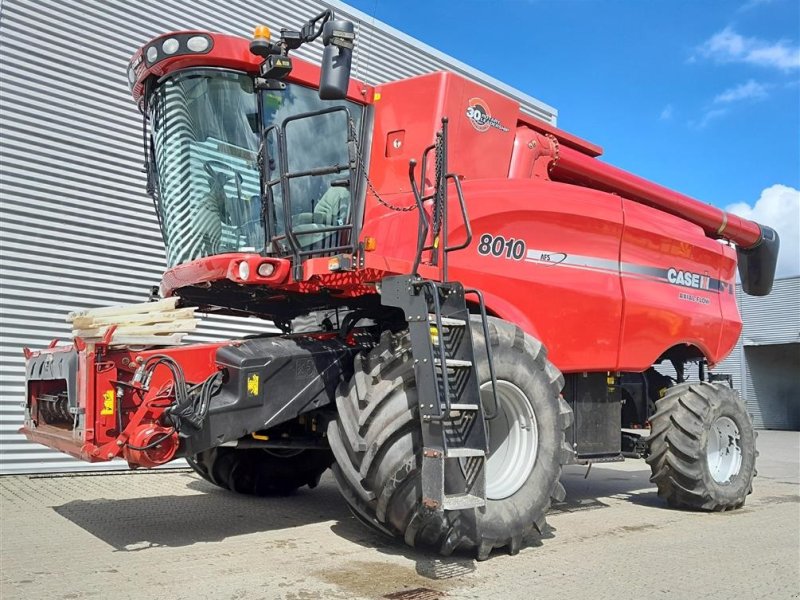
(582, 494)
(136, 524)
(606, 482)
(428, 565)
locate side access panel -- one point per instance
(672, 286)
(408, 113)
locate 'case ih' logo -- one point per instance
(481, 118)
(688, 279)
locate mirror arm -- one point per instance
(311, 30)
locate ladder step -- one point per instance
(462, 502)
(453, 363)
(461, 406)
(464, 452)
(447, 321)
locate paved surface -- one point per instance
(171, 535)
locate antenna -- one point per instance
(368, 48)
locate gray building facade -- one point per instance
(76, 228)
(765, 365)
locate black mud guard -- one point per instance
(271, 380)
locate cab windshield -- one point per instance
(206, 145)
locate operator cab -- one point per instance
(245, 156)
(207, 143)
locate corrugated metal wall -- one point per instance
(76, 229)
(772, 321)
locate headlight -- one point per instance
(244, 270)
(131, 75)
(177, 44)
(198, 43)
(170, 46)
(265, 269)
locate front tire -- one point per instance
(261, 472)
(376, 441)
(702, 447)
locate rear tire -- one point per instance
(376, 441)
(261, 472)
(702, 447)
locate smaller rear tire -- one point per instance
(702, 447)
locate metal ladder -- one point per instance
(452, 414)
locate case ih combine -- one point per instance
(469, 299)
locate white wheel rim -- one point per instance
(513, 440)
(723, 451)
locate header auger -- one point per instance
(468, 300)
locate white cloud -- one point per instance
(710, 115)
(752, 90)
(666, 113)
(779, 207)
(753, 4)
(727, 46)
(722, 103)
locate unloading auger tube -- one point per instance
(756, 245)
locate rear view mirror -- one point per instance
(338, 36)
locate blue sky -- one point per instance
(702, 96)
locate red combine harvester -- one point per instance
(453, 330)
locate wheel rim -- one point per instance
(723, 452)
(513, 440)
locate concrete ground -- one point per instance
(170, 535)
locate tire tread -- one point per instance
(676, 446)
(384, 415)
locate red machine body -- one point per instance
(583, 247)
(608, 270)
(610, 238)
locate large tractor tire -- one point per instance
(702, 447)
(261, 472)
(376, 441)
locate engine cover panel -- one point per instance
(271, 380)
